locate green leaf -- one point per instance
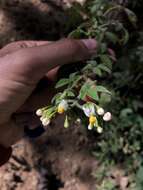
(140, 173)
(102, 89)
(94, 9)
(104, 68)
(87, 67)
(97, 71)
(106, 60)
(76, 33)
(112, 37)
(72, 75)
(62, 83)
(131, 16)
(83, 91)
(92, 92)
(125, 112)
(56, 98)
(90, 65)
(70, 94)
(125, 38)
(76, 80)
(92, 62)
(105, 98)
(103, 48)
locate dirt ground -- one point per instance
(61, 159)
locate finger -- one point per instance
(33, 63)
(15, 46)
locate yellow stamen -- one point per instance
(61, 110)
(92, 120)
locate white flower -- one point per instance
(63, 106)
(99, 129)
(107, 116)
(88, 109)
(100, 111)
(39, 112)
(45, 122)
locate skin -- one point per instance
(22, 65)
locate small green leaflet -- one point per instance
(56, 98)
(131, 16)
(104, 68)
(102, 89)
(106, 60)
(72, 75)
(70, 93)
(125, 38)
(62, 83)
(97, 71)
(76, 80)
(112, 37)
(125, 112)
(105, 98)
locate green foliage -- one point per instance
(139, 178)
(98, 24)
(62, 83)
(116, 86)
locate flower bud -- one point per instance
(66, 123)
(41, 118)
(39, 112)
(45, 122)
(100, 111)
(99, 129)
(107, 116)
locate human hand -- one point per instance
(22, 66)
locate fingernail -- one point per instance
(91, 44)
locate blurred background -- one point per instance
(74, 159)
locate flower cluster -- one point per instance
(47, 113)
(91, 110)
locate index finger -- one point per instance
(15, 46)
(34, 62)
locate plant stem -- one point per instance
(112, 9)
